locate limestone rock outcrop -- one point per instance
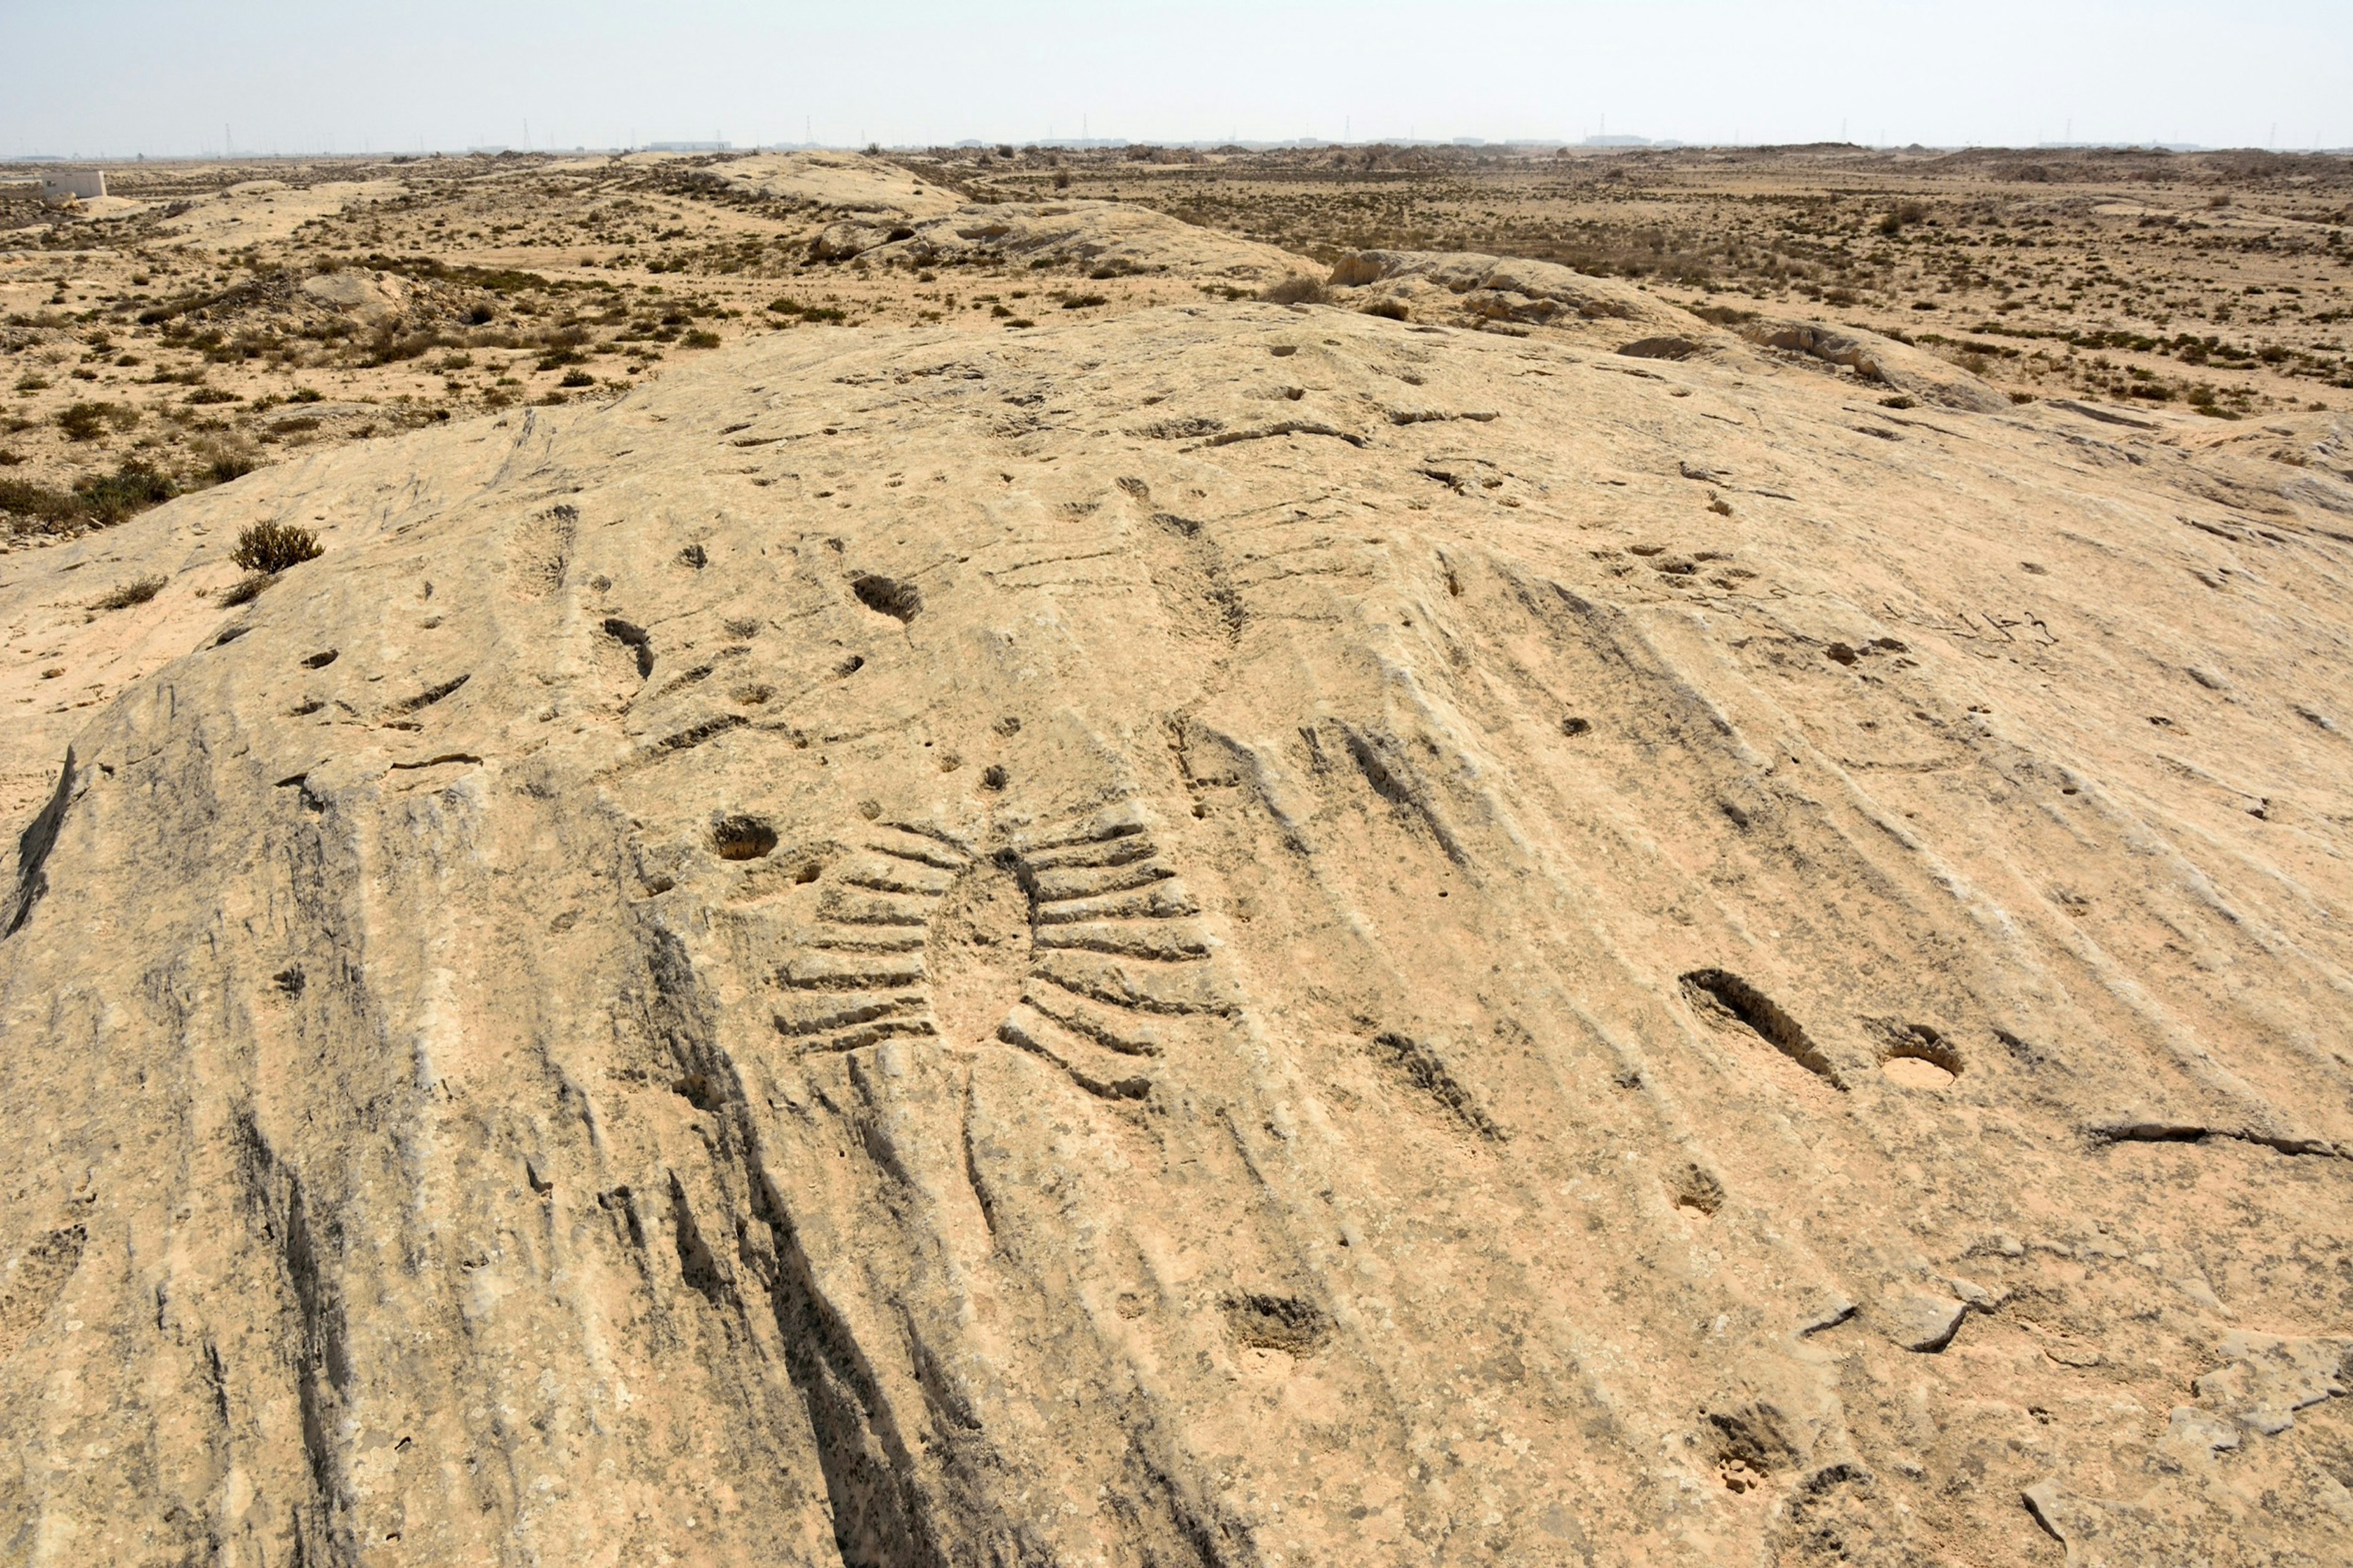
(1233, 936)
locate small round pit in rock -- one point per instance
(1914, 1072)
(742, 837)
(887, 596)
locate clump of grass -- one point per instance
(789, 307)
(1295, 290)
(247, 588)
(132, 489)
(89, 421)
(138, 591)
(99, 501)
(225, 465)
(1906, 214)
(271, 547)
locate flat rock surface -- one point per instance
(1236, 935)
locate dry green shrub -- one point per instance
(271, 547)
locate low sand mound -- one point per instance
(842, 182)
(1115, 235)
(1228, 936)
(368, 295)
(1880, 360)
(260, 211)
(1502, 290)
(1513, 296)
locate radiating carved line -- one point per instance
(1061, 884)
(1169, 901)
(1111, 852)
(1126, 995)
(921, 855)
(1150, 942)
(874, 1035)
(1019, 1029)
(843, 1016)
(876, 941)
(1077, 1022)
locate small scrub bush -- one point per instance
(138, 591)
(271, 547)
(89, 421)
(699, 339)
(1903, 216)
(109, 499)
(1295, 290)
(577, 378)
(247, 588)
(788, 307)
(96, 501)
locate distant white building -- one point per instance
(75, 185)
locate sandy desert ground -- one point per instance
(208, 318)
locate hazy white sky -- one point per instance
(117, 77)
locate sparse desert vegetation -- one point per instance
(2221, 280)
(209, 318)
